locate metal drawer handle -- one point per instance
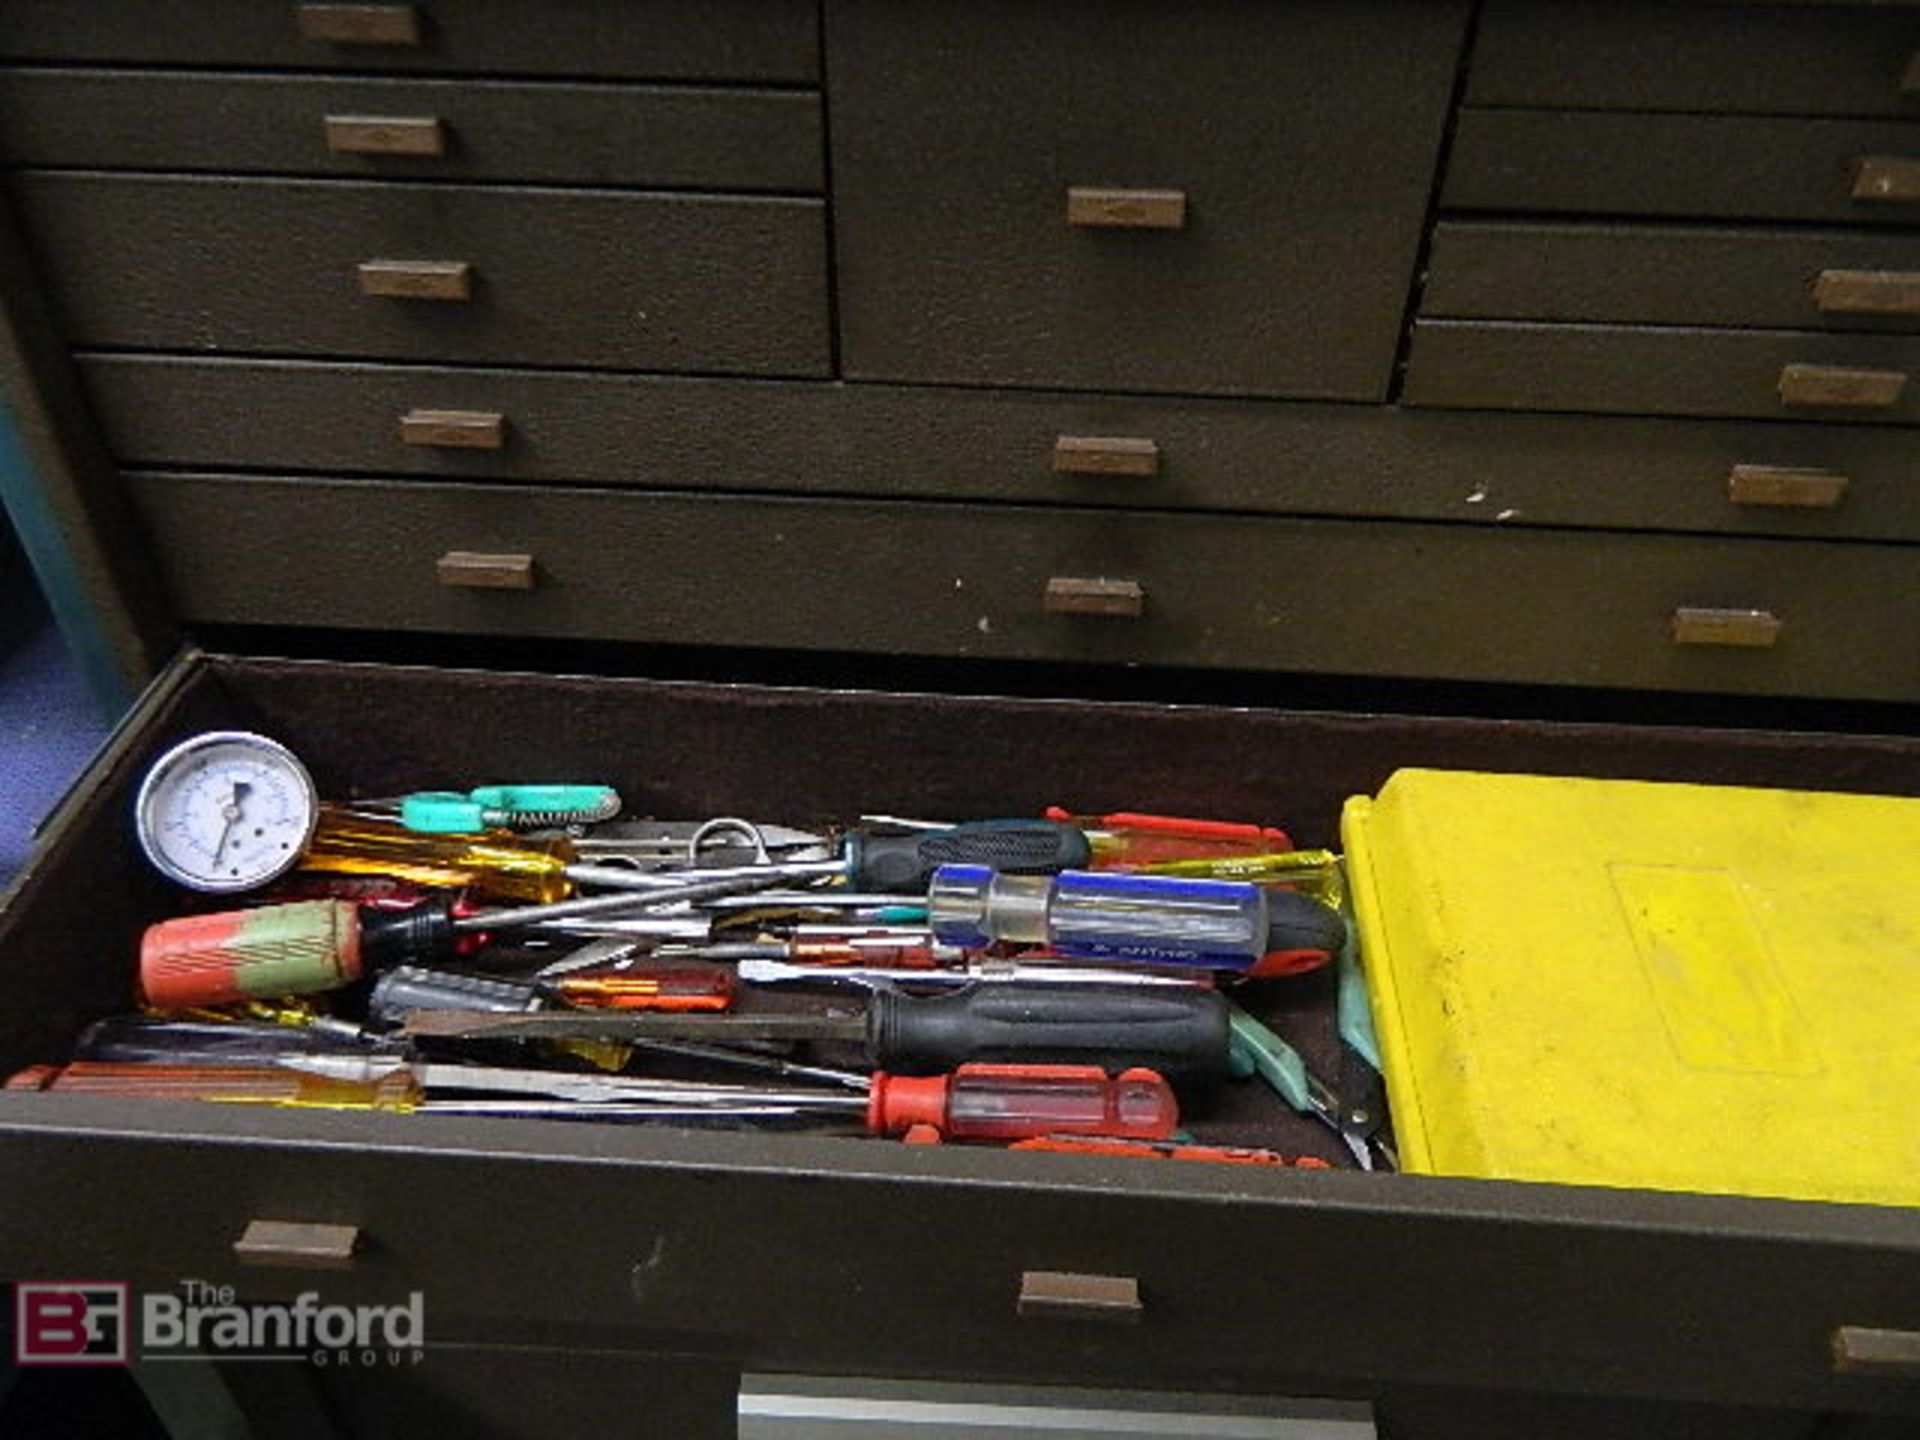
(1910, 77)
(1062, 1295)
(418, 135)
(416, 279)
(1704, 625)
(1862, 1350)
(480, 570)
(1886, 180)
(1105, 455)
(454, 429)
(298, 1244)
(1101, 207)
(1838, 386)
(359, 24)
(1785, 485)
(1867, 292)
(1075, 595)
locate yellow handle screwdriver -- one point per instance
(494, 865)
(1315, 871)
(397, 1089)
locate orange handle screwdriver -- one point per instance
(680, 989)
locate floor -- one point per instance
(49, 725)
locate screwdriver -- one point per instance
(145, 1039)
(544, 870)
(893, 864)
(1182, 1032)
(978, 1102)
(1126, 841)
(1159, 920)
(500, 866)
(828, 947)
(1315, 871)
(672, 989)
(397, 1090)
(1166, 1150)
(975, 1102)
(314, 945)
(996, 972)
(677, 989)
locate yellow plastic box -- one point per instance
(1674, 987)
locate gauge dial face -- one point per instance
(226, 811)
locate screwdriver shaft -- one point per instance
(572, 1025)
(756, 878)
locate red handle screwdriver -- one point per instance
(1016, 1102)
(975, 1102)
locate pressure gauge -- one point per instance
(224, 811)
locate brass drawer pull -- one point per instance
(1073, 595)
(1785, 485)
(477, 570)
(359, 24)
(1867, 292)
(1105, 455)
(1862, 1350)
(1098, 207)
(1838, 386)
(454, 429)
(1887, 180)
(1061, 1295)
(297, 1244)
(416, 279)
(1704, 625)
(421, 135)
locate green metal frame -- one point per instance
(111, 687)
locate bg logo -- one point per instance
(69, 1322)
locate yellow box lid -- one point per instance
(1673, 987)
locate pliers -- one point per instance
(1261, 1052)
(1356, 1110)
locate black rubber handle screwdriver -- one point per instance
(899, 864)
(1183, 1034)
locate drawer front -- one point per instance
(1186, 590)
(1100, 195)
(1686, 166)
(1779, 279)
(412, 129)
(674, 432)
(666, 282)
(1755, 59)
(840, 1278)
(637, 39)
(1763, 374)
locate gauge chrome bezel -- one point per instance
(146, 823)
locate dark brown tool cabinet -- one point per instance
(1540, 343)
(1695, 1315)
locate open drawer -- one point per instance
(814, 1253)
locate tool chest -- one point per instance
(1273, 340)
(814, 1254)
